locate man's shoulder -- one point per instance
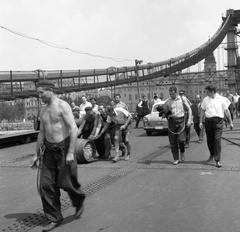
(63, 103)
(120, 109)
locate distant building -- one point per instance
(192, 84)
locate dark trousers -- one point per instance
(214, 128)
(56, 174)
(100, 146)
(176, 136)
(139, 117)
(187, 132)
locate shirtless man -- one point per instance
(58, 166)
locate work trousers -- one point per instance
(176, 136)
(56, 174)
(187, 133)
(214, 128)
(139, 117)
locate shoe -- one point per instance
(115, 159)
(200, 141)
(187, 145)
(127, 157)
(175, 162)
(182, 157)
(51, 226)
(218, 164)
(79, 210)
(210, 159)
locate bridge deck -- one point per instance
(146, 194)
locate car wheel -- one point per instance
(149, 133)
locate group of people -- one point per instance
(61, 125)
(207, 115)
(107, 126)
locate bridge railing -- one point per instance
(22, 84)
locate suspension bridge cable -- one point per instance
(65, 48)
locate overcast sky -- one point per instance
(150, 30)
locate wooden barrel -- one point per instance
(85, 151)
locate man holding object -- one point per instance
(58, 134)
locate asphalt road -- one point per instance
(147, 193)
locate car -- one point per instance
(153, 123)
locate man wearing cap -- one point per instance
(58, 166)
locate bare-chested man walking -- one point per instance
(58, 166)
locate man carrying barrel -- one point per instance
(90, 127)
(58, 166)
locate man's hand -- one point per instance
(33, 162)
(123, 127)
(189, 123)
(200, 125)
(90, 137)
(69, 158)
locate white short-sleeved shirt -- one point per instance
(215, 107)
(176, 106)
(121, 116)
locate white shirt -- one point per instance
(176, 106)
(95, 109)
(83, 106)
(215, 107)
(235, 98)
(121, 116)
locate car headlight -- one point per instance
(145, 119)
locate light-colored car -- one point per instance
(153, 123)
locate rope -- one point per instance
(184, 126)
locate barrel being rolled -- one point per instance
(85, 151)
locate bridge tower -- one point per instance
(232, 52)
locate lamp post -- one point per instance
(137, 62)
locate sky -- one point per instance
(89, 34)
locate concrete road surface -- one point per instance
(147, 193)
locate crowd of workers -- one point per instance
(110, 126)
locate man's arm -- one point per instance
(82, 124)
(102, 131)
(228, 115)
(40, 139)
(127, 122)
(189, 115)
(96, 127)
(187, 103)
(202, 116)
(140, 104)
